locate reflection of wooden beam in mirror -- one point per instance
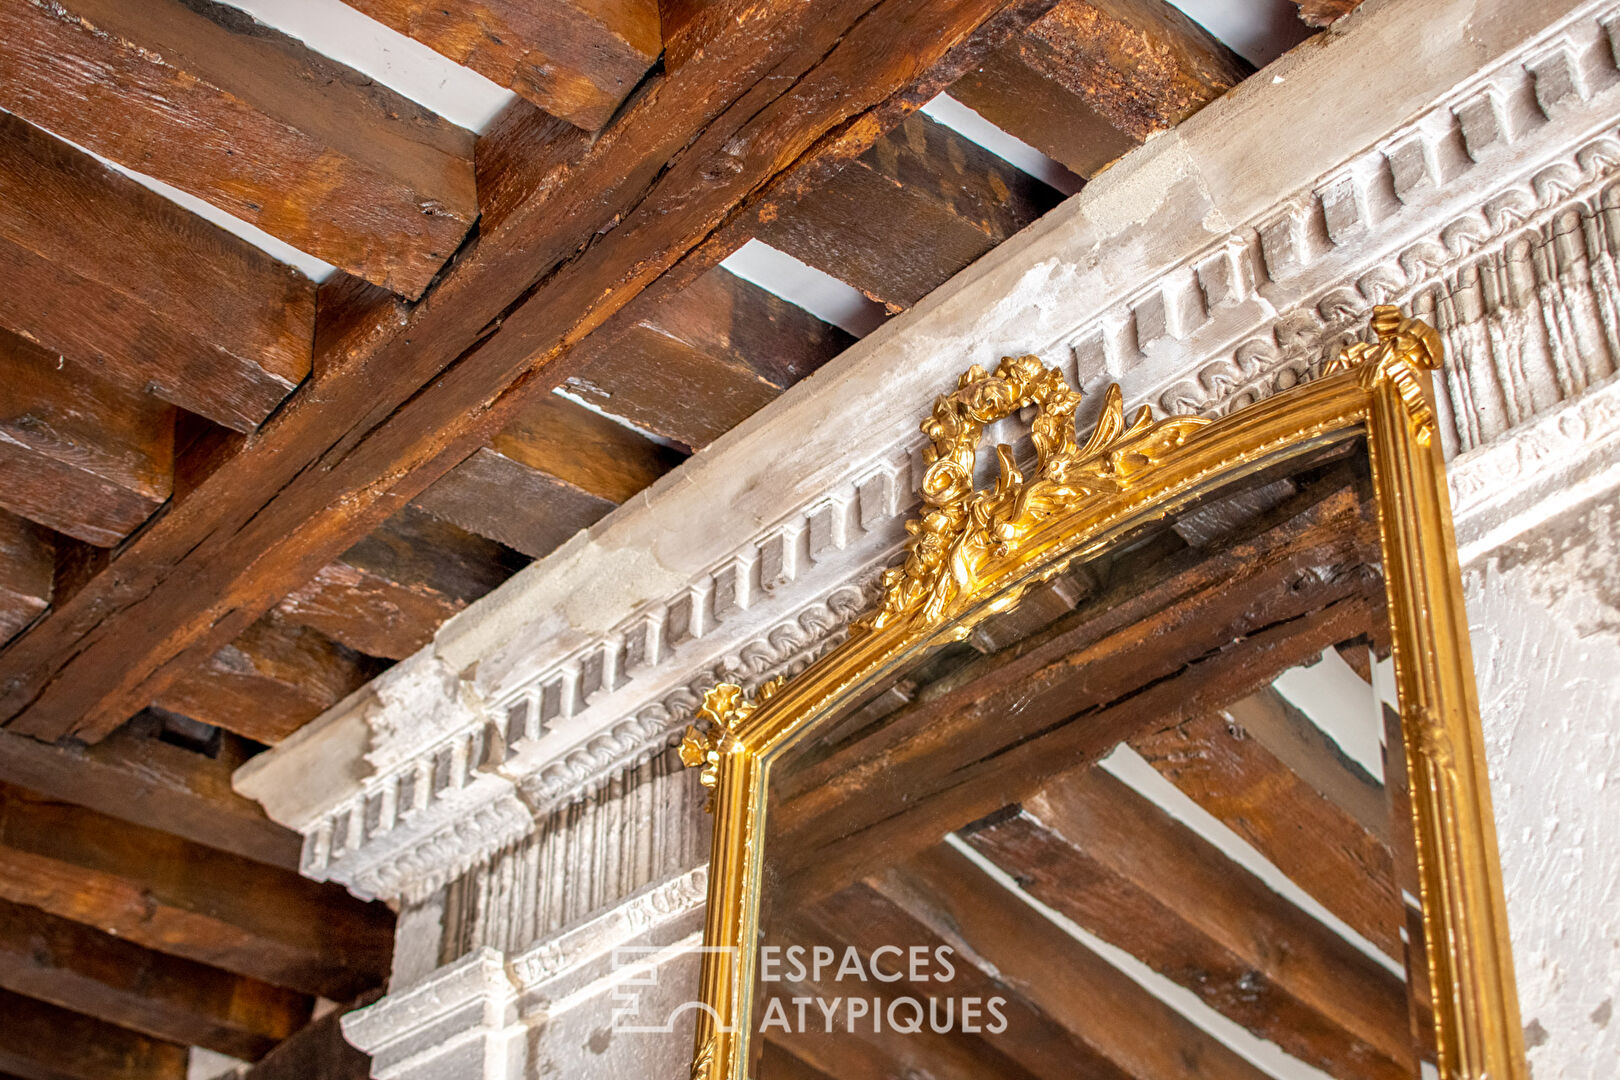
(1129, 873)
(869, 1049)
(1109, 1025)
(1172, 637)
(1330, 854)
(896, 912)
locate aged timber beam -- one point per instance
(599, 223)
(201, 96)
(387, 594)
(274, 678)
(81, 968)
(554, 469)
(144, 781)
(161, 892)
(27, 572)
(39, 1041)
(1229, 771)
(1106, 1019)
(113, 280)
(79, 453)
(1126, 871)
(1093, 79)
(575, 59)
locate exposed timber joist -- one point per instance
(27, 572)
(79, 453)
(273, 679)
(1106, 1024)
(711, 145)
(40, 1041)
(1230, 772)
(161, 892)
(118, 280)
(389, 592)
(573, 58)
(554, 469)
(1126, 871)
(1094, 79)
(145, 781)
(920, 205)
(703, 360)
(200, 96)
(81, 968)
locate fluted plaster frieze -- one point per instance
(1454, 156)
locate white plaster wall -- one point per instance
(1545, 621)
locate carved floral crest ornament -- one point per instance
(974, 551)
(961, 529)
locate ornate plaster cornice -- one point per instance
(1203, 271)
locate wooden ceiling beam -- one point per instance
(164, 893)
(27, 572)
(589, 226)
(1124, 870)
(1328, 853)
(136, 778)
(40, 1041)
(888, 911)
(573, 58)
(273, 679)
(862, 1050)
(1325, 12)
(201, 96)
(553, 470)
(387, 594)
(119, 281)
(78, 453)
(701, 361)
(1119, 1024)
(1094, 79)
(920, 205)
(1220, 624)
(80, 968)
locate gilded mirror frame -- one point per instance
(973, 553)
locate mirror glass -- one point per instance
(1149, 821)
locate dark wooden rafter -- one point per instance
(318, 1051)
(1092, 1021)
(81, 968)
(124, 285)
(555, 468)
(79, 453)
(27, 572)
(1325, 12)
(1224, 623)
(704, 359)
(389, 593)
(200, 96)
(135, 777)
(161, 892)
(40, 1041)
(573, 58)
(1116, 71)
(709, 145)
(273, 679)
(862, 1049)
(1324, 849)
(1126, 871)
(920, 205)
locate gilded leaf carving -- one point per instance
(962, 531)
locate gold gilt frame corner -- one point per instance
(972, 553)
